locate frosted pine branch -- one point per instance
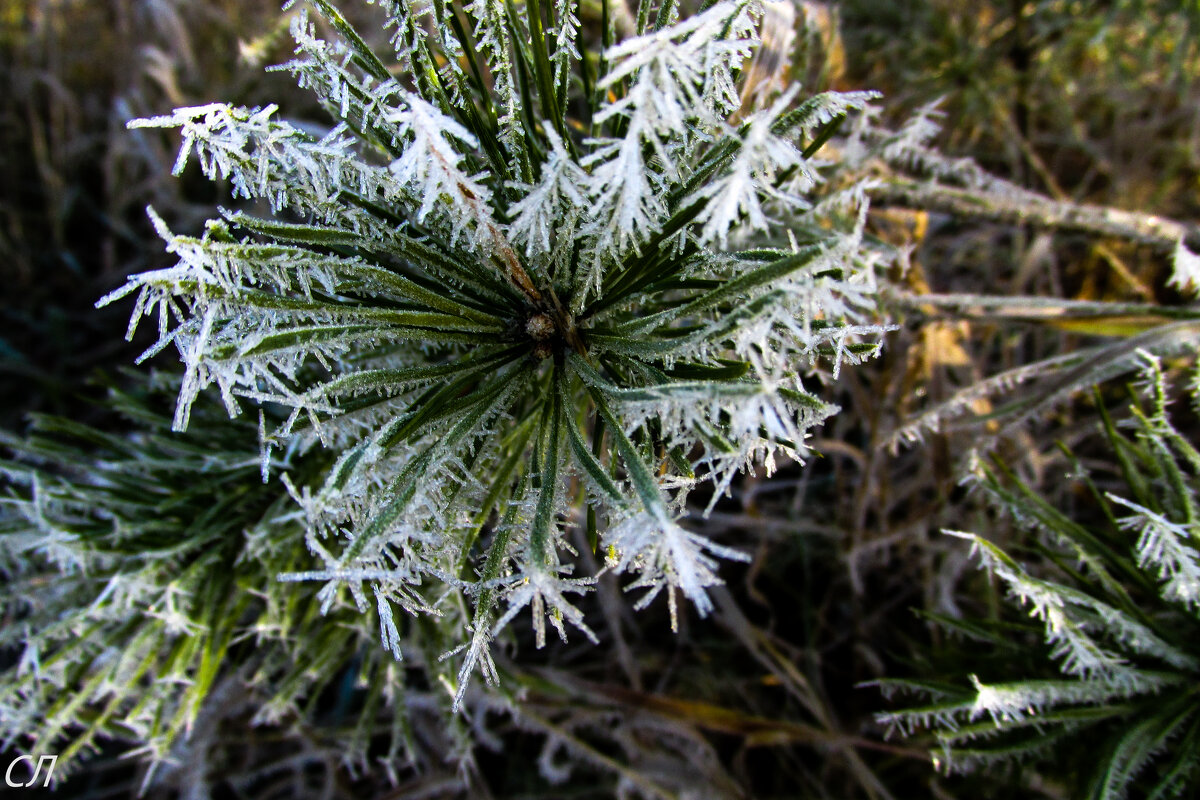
(485, 289)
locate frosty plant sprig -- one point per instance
(1113, 702)
(506, 282)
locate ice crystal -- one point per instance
(1167, 547)
(665, 554)
(1186, 273)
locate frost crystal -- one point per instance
(665, 554)
(1186, 273)
(763, 156)
(1169, 548)
(430, 165)
(549, 211)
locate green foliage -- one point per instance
(502, 318)
(1116, 596)
(520, 276)
(534, 303)
(140, 580)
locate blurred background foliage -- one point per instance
(1084, 100)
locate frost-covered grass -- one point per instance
(316, 322)
(1115, 603)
